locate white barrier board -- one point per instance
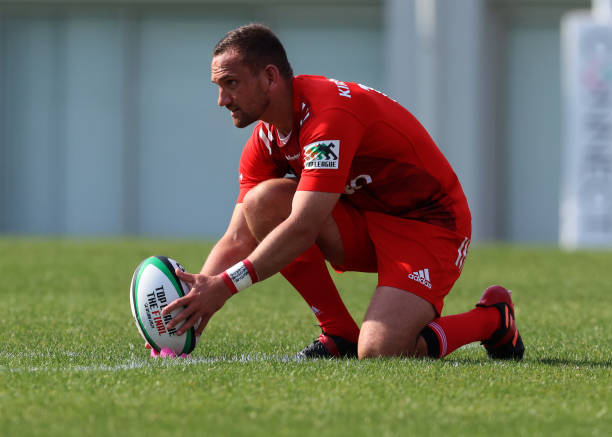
(586, 176)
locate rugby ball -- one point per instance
(154, 286)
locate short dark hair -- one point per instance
(259, 47)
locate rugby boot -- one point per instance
(329, 346)
(505, 343)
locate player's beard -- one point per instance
(243, 117)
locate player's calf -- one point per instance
(265, 207)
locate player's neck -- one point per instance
(280, 112)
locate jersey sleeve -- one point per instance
(328, 146)
(257, 162)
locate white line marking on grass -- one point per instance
(38, 354)
(139, 364)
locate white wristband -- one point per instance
(240, 276)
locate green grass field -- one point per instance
(72, 362)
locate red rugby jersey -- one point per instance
(351, 139)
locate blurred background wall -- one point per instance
(109, 123)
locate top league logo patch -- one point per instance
(322, 154)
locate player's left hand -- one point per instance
(207, 295)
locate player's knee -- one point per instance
(270, 195)
(381, 349)
(365, 351)
(376, 351)
(268, 204)
(378, 339)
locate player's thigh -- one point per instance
(271, 197)
(343, 239)
(392, 323)
(345, 242)
(417, 267)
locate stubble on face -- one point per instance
(240, 88)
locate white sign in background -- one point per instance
(586, 184)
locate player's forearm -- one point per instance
(309, 211)
(227, 252)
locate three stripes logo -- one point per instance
(422, 277)
(462, 253)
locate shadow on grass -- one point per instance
(568, 362)
(552, 362)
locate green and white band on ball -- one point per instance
(240, 276)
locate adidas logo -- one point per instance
(422, 277)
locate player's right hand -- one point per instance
(207, 295)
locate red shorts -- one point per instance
(420, 258)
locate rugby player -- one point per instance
(370, 192)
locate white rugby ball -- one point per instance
(154, 286)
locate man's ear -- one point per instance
(271, 76)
